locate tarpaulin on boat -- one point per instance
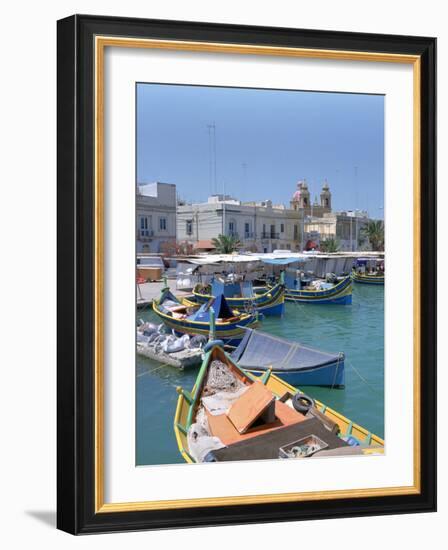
(167, 297)
(229, 289)
(260, 350)
(220, 307)
(232, 289)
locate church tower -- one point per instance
(301, 198)
(325, 197)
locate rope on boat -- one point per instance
(152, 370)
(336, 371)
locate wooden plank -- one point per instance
(220, 426)
(250, 406)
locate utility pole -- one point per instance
(351, 236)
(356, 204)
(224, 208)
(244, 167)
(212, 155)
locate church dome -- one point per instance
(301, 186)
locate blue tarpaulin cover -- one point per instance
(232, 290)
(220, 306)
(260, 350)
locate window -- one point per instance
(189, 227)
(162, 224)
(144, 226)
(247, 231)
(282, 228)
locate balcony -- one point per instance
(145, 234)
(270, 235)
(249, 235)
(233, 234)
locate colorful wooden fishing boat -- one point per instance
(294, 363)
(231, 414)
(339, 292)
(376, 278)
(241, 296)
(186, 317)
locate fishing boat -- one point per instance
(337, 290)
(242, 296)
(368, 278)
(369, 271)
(215, 316)
(230, 414)
(305, 287)
(294, 363)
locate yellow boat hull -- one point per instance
(278, 387)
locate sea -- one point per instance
(356, 329)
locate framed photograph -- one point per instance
(246, 274)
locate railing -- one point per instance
(145, 233)
(249, 235)
(233, 234)
(270, 235)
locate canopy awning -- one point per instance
(283, 261)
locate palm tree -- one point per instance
(226, 244)
(374, 231)
(329, 245)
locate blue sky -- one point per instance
(280, 137)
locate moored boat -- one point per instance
(243, 297)
(186, 317)
(294, 363)
(369, 271)
(232, 415)
(375, 278)
(319, 291)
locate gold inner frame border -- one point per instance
(101, 42)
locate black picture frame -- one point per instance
(76, 264)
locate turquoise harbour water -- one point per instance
(357, 330)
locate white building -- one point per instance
(155, 216)
(345, 227)
(260, 226)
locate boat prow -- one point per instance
(233, 415)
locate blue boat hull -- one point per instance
(275, 310)
(332, 375)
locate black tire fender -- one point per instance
(302, 402)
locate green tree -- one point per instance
(374, 231)
(329, 245)
(226, 244)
